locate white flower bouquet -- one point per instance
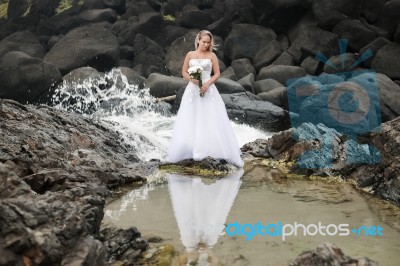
(196, 72)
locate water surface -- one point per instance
(188, 212)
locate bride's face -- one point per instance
(204, 43)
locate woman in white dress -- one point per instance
(202, 127)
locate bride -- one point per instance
(202, 127)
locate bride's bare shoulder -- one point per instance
(190, 54)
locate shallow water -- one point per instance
(187, 210)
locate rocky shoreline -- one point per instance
(57, 169)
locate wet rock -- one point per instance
(228, 86)
(316, 147)
(56, 170)
(123, 244)
(248, 108)
(158, 256)
(37, 139)
(162, 85)
(51, 228)
(329, 254)
(206, 167)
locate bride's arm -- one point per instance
(185, 67)
(216, 71)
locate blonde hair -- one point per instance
(201, 34)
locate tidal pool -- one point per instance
(191, 212)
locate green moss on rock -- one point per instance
(3, 10)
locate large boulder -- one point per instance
(267, 55)
(374, 46)
(194, 19)
(247, 82)
(24, 78)
(249, 109)
(245, 40)
(330, 13)
(281, 73)
(133, 77)
(149, 55)
(98, 15)
(228, 86)
(355, 32)
(177, 52)
(117, 5)
(162, 85)
(279, 15)
(147, 22)
(150, 24)
(243, 67)
(265, 85)
(277, 96)
(79, 75)
(85, 46)
(387, 60)
(389, 93)
(23, 41)
(307, 38)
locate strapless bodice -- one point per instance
(205, 63)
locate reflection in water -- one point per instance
(201, 211)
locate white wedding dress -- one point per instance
(202, 127)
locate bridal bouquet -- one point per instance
(195, 72)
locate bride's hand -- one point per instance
(204, 88)
(194, 81)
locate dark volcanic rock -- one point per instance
(48, 139)
(372, 162)
(57, 225)
(123, 244)
(24, 78)
(56, 169)
(91, 45)
(329, 254)
(245, 40)
(23, 41)
(250, 109)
